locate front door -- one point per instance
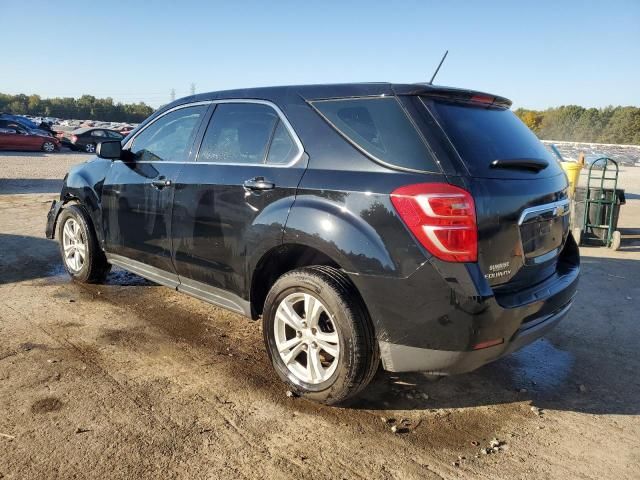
(138, 192)
(233, 201)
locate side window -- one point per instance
(282, 149)
(116, 135)
(14, 126)
(170, 137)
(379, 127)
(97, 133)
(238, 133)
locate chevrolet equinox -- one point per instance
(419, 226)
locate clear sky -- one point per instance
(538, 53)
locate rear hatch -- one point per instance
(519, 189)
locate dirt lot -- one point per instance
(133, 380)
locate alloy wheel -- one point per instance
(90, 148)
(74, 244)
(48, 147)
(306, 338)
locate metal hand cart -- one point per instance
(601, 206)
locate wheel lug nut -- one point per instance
(304, 347)
(314, 331)
(298, 334)
(304, 324)
(314, 345)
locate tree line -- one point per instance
(87, 107)
(572, 123)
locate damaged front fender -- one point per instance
(52, 217)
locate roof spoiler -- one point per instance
(454, 94)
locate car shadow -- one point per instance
(24, 258)
(13, 186)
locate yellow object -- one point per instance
(572, 169)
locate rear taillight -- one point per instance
(74, 139)
(442, 217)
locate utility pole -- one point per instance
(193, 88)
(173, 94)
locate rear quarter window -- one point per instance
(380, 128)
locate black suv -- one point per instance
(423, 226)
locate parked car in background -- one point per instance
(25, 123)
(86, 139)
(15, 136)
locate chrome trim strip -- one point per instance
(545, 208)
(177, 107)
(281, 116)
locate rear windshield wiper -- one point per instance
(534, 164)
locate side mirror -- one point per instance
(111, 149)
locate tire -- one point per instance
(90, 267)
(342, 327)
(48, 147)
(90, 148)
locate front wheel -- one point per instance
(81, 254)
(319, 335)
(48, 147)
(90, 148)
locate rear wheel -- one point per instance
(48, 147)
(81, 254)
(90, 148)
(319, 335)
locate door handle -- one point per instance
(259, 183)
(160, 183)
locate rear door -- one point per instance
(520, 190)
(234, 199)
(138, 192)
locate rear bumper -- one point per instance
(442, 318)
(403, 358)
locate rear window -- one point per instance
(483, 134)
(380, 128)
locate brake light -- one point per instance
(442, 217)
(74, 138)
(483, 99)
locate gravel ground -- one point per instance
(133, 380)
